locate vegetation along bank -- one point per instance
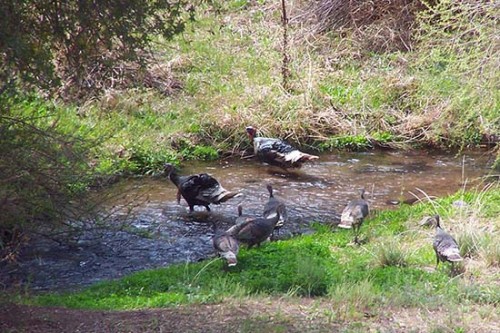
(84, 100)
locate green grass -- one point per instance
(324, 264)
(442, 93)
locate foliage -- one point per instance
(43, 42)
(44, 172)
(355, 143)
(426, 97)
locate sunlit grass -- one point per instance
(395, 268)
(228, 65)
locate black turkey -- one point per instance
(277, 152)
(255, 231)
(271, 209)
(226, 246)
(354, 214)
(198, 190)
(445, 246)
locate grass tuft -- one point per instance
(490, 251)
(358, 294)
(392, 254)
(469, 243)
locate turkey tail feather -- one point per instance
(308, 157)
(223, 197)
(298, 156)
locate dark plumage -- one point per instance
(354, 214)
(445, 246)
(277, 152)
(255, 231)
(198, 190)
(271, 208)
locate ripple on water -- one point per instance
(160, 232)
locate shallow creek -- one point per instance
(160, 232)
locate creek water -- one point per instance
(160, 232)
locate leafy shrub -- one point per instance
(200, 152)
(89, 41)
(44, 173)
(144, 160)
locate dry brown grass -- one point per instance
(377, 26)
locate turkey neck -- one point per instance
(174, 177)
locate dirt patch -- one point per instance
(239, 317)
(250, 315)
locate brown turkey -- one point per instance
(255, 231)
(277, 152)
(226, 246)
(199, 189)
(445, 246)
(271, 208)
(354, 214)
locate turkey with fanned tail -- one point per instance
(445, 246)
(199, 189)
(277, 152)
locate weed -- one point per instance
(469, 242)
(359, 294)
(392, 254)
(354, 143)
(490, 251)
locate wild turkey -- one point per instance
(354, 214)
(271, 207)
(445, 246)
(198, 190)
(226, 246)
(255, 231)
(277, 152)
(241, 219)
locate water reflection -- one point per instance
(322, 188)
(162, 232)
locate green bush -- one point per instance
(86, 40)
(44, 172)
